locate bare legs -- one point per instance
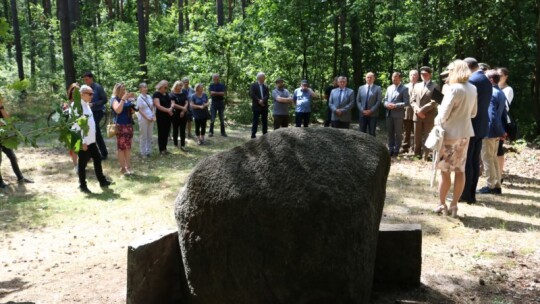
(124, 158)
(444, 187)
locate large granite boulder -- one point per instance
(291, 217)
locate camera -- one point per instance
(133, 107)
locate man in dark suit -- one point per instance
(368, 100)
(341, 103)
(480, 127)
(259, 93)
(395, 101)
(425, 110)
(99, 100)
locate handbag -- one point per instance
(435, 138)
(111, 130)
(111, 127)
(510, 125)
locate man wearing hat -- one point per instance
(425, 110)
(302, 100)
(282, 99)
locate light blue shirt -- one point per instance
(303, 100)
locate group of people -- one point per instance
(472, 109)
(175, 109)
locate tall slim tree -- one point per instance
(356, 47)
(220, 12)
(7, 16)
(244, 6)
(142, 41)
(186, 12)
(67, 49)
(17, 34)
(180, 17)
(343, 64)
(231, 8)
(32, 38)
(536, 90)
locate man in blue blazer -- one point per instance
(341, 103)
(368, 100)
(480, 126)
(395, 101)
(496, 112)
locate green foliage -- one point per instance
(289, 39)
(19, 85)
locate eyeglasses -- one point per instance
(89, 94)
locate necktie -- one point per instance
(340, 95)
(261, 88)
(367, 97)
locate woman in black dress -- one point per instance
(164, 113)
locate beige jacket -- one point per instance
(458, 107)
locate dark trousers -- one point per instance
(264, 120)
(368, 124)
(13, 159)
(281, 121)
(200, 126)
(328, 119)
(340, 124)
(219, 109)
(84, 156)
(163, 130)
(98, 116)
(408, 128)
(179, 123)
(302, 118)
(472, 169)
(395, 133)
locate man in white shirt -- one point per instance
(89, 148)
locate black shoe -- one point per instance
(253, 136)
(25, 181)
(84, 189)
(104, 157)
(486, 190)
(211, 134)
(224, 134)
(469, 201)
(3, 185)
(105, 184)
(497, 191)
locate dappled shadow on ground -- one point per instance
(502, 204)
(13, 285)
(512, 178)
(489, 223)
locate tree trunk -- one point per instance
(180, 17)
(67, 51)
(47, 9)
(244, 6)
(157, 8)
(186, 5)
(142, 41)
(74, 14)
(146, 15)
(121, 9)
(17, 36)
(219, 12)
(109, 9)
(6, 15)
(356, 47)
(231, 7)
(344, 70)
(336, 46)
(32, 42)
(536, 101)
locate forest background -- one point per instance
(45, 45)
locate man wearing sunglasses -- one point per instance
(88, 146)
(99, 100)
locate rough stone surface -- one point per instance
(292, 217)
(155, 273)
(399, 256)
